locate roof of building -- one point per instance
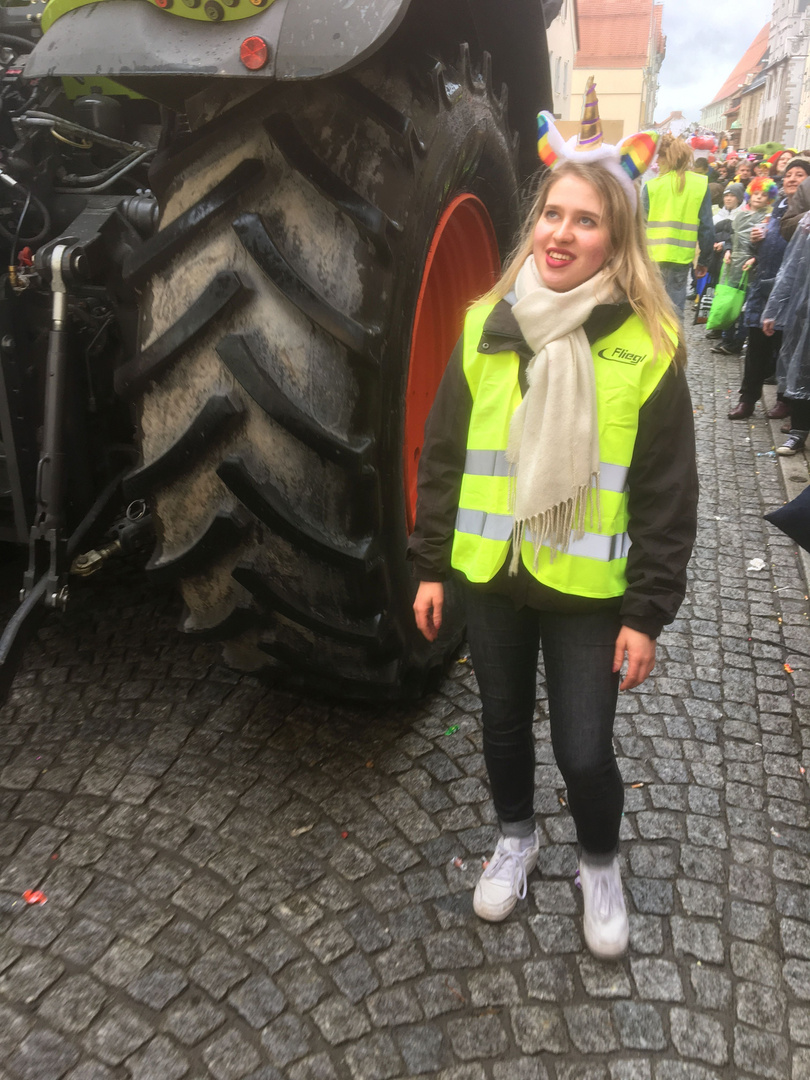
(749, 64)
(617, 33)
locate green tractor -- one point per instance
(241, 238)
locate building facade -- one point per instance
(622, 45)
(784, 73)
(563, 43)
(723, 110)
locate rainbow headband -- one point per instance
(627, 161)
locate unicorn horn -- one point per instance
(590, 131)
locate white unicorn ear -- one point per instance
(636, 152)
(550, 144)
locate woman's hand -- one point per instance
(727, 257)
(718, 246)
(768, 326)
(427, 607)
(748, 264)
(640, 651)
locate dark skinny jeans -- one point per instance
(582, 691)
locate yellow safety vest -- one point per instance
(672, 221)
(593, 565)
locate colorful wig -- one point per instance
(763, 184)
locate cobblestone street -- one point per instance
(242, 883)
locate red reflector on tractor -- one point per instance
(253, 53)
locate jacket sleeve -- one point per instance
(663, 494)
(705, 229)
(441, 468)
(798, 204)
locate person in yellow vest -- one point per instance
(558, 487)
(678, 208)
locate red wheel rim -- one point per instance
(462, 263)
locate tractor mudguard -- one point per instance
(303, 39)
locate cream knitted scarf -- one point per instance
(554, 436)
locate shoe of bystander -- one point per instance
(503, 882)
(793, 444)
(605, 924)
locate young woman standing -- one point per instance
(558, 483)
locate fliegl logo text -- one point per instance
(622, 355)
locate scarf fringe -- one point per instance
(553, 528)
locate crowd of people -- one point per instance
(731, 223)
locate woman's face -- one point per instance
(793, 178)
(571, 239)
(782, 160)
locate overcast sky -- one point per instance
(705, 40)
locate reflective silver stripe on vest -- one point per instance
(494, 463)
(613, 477)
(486, 463)
(499, 527)
(488, 526)
(672, 225)
(674, 243)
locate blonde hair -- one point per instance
(628, 266)
(674, 156)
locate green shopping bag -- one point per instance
(727, 303)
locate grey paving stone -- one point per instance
(590, 1028)
(440, 994)
(230, 1056)
(712, 988)
(192, 1017)
(29, 977)
(339, 1021)
(476, 1037)
(695, 1035)
(395, 1006)
(761, 1053)
(452, 950)
(699, 939)
(314, 1067)
(287, 1039)
(657, 980)
(496, 986)
(539, 1028)
(374, 1058)
(755, 963)
(116, 1034)
(258, 1000)
(422, 1049)
(549, 979)
(630, 1069)
(160, 1058)
(603, 980)
(43, 1053)
(639, 1026)
(760, 1006)
(651, 896)
(504, 941)
(556, 934)
(354, 977)
(72, 1004)
(522, 1069)
(157, 985)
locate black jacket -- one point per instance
(662, 481)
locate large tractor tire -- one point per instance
(316, 251)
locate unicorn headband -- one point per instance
(626, 162)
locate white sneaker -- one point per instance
(503, 882)
(605, 924)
